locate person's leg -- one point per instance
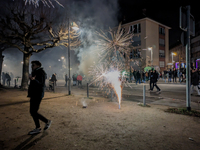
(196, 88)
(158, 89)
(152, 86)
(150, 83)
(191, 89)
(34, 107)
(139, 80)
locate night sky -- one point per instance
(166, 12)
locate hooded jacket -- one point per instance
(36, 87)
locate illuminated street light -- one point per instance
(150, 49)
(4, 65)
(173, 54)
(58, 59)
(22, 62)
(62, 57)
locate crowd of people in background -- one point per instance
(6, 78)
(137, 76)
(170, 75)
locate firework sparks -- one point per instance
(113, 50)
(109, 76)
(45, 2)
(114, 45)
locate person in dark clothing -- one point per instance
(174, 74)
(195, 81)
(165, 75)
(4, 78)
(138, 77)
(170, 75)
(36, 93)
(53, 78)
(66, 79)
(8, 79)
(154, 80)
(134, 75)
(151, 79)
(74, 79)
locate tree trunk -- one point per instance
(25, 72)
(1, 63)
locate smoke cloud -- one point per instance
(91, 16)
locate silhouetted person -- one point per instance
(4, 78)
(174, 75)
(79, 79)
(8, 79)
(151, 79)
(53, 78)
(74, 79)
(155, 79)
(170, 75)
(36, 93)
(195, 81)
(66, 80)
(138, 77)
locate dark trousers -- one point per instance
(155, 84)
(34, 107)
(174, 78)
(151, 84)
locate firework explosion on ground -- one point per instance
(109, 71)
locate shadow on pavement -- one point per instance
(26, 145)
(27, 101)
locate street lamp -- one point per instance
(75, 27)
(150, 49)
(173, 54)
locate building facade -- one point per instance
(195, 52)
(151, 43)
(177, 53)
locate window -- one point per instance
(162, 30)
(161, 42)
(136, 40)
(135, 53)
(161, 53)
(135, 28)
(162, 64)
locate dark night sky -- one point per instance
(166, 12)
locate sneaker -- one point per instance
(35, 131)
(48, 124)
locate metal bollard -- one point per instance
(87, 89)
(144, 96)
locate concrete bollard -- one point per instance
(144, 95)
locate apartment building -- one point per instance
(195, 47)
(151, 43)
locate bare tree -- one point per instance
(34, 30)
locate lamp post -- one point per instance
(150, 49)
(75, 27)
(69, 88)
(172, 60)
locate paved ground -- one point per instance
(101, 126)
